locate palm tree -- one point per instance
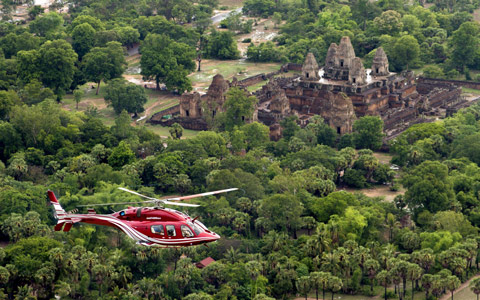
(383, 279)
(329, 262)
(319, 279)
(124, 275)
(424, 258)
(427, 283)
(414, 273)
(303, 285)
(452, 283)
(231, 255)
(372, 266)
(254, 268)
(475, 286)
(438, 285)
(335, 284)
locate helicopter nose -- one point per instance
(214, 236)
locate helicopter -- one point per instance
(148, 226)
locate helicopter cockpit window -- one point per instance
(157, 229)
(186, 232)
(195, 228)
(171, 230)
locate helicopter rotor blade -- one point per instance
(180, 204)
(106, 204)
(138, 194)
(200, 195)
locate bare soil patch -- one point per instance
(378, 191)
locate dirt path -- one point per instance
(464, 285)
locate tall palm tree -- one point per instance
(319, 279)
(384, 280)
(414, 272)
(425, 258)
(335, 284)
(427, 284)
(371, 266)
(475, 286)
(303, 285)
(452, 283)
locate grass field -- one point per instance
(229, 69)
(231, 3)
(328, 296)
(163, 131)
(470, 91)
(465, 294)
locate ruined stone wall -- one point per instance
(444, 98)
(187, 123)
(292, 67)
(398, 117)
(253, 80)
(249, 81)
(174, 110)
(467, 84)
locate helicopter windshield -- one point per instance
(195, 228)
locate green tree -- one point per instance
(238, 108)
(303, 285)
(127, 35)
(56, 61)
(282, 212)
(162, 57)
(176, 131)
(221, 45)
(125, 96)
(389, 22)
(121, 155)
(319, 280)
(34, 92)
(277, 18)
(383, 278)
(77, 95)
(428, 188)
(464, 43)
(452, 283)
(8, 99)
(368, 132)
(83, 39)
(433, 71)
(96, 23)
(104, 63)
(406, 50)
(335, 284)
(475, 286)
(46, 25)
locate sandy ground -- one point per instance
(377, 191)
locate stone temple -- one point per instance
(341, 91)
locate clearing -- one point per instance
(379, 190)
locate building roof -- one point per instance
(205, 262)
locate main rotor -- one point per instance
(167, 200)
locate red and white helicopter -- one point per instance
(149, 226)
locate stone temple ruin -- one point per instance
(341, 91)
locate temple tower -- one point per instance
(357, 74)
(380, 63)
(310, 68)
(339, 60)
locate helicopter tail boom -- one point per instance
(60, 214)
